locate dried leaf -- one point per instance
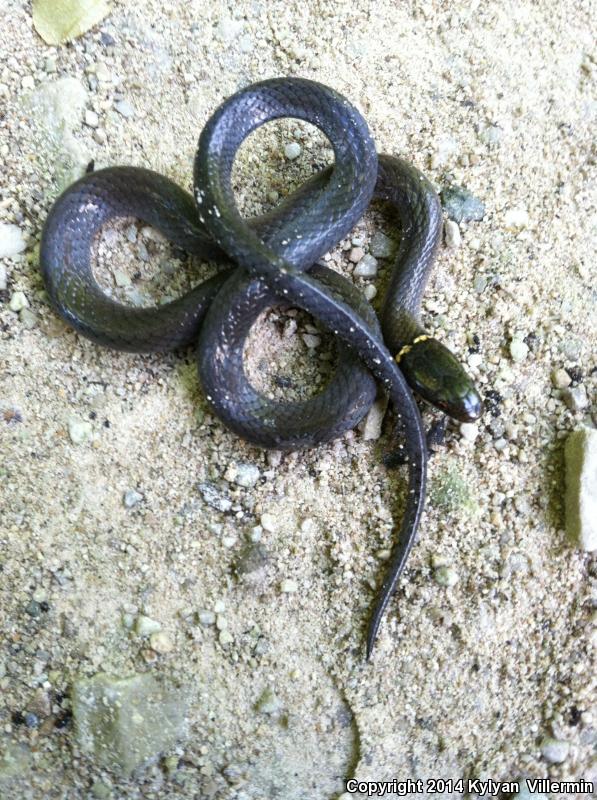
(57, 21)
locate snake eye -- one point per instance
(433, 372)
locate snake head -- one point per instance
(433, 372)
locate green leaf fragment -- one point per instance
(57, 21)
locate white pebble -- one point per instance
(18, 302)
(370, 291)
(292, 151)
(519, 350)
(79, 431)
(311, 340)
(145, 626)
(288, 586)
(516, 219)
(12, 241)
(554, 750)
(452, 234)
(469, 431)
(446, 576)
(161, 642)
(3, 278)
(125, 109)
(91, 118)
(269, 523)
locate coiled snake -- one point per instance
(274, 261)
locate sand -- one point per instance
(486, 652)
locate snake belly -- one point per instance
(270, 260)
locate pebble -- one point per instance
(161, 642)
(370, 291)
(131, 498)
(79, 430)
(124, 108)
(242, 474)
(371, 426)
(580, 454)
(206, 617)
(292, 151)
(560, 378)
(288, 586)
(91, 118)
(519, 350)
(356, 254)
(381, 245)
(576, 398)
(491, 135)
(122, 723)
(445, 575)
(99, 136)
(311, 340)
(18, 302)
(214, 498)
(145, 626)
(269, 523)
(469, 431)
(366, 267)
(515, 219)
(3, 278)
(452, 234)
(225, 637)
(12, 241)
(252, 559)
(554, 750)
(460, 205)
(28, 318)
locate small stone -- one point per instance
(225, 637)
(121, 279)
(560, 378)
(124, 108)
(215, 498)
(206, 617)
(480, 283)
(60, 22)
(99, 136)
(269, 523)
(515, 219)
(357, 241)
(79, 431)
(101, 790)
(554, 750)
(131, 498)
(469, 431)
(580, 454)
(3, 278)
(576, 398)
(445, 575)
(452, 234)
(356, 254)
(268, 703)
(18, 302)
(292, 151)
(460, 205)
(371, 426)
(28, 318)
(12, 241)
(125, 722)
(370, 291)
(366, 267)
(519, 350)
(91, 118)
(288, 586)
(102, 73)
(161, 642)
(381, 245)
(145, 626)
(311, 340)
(247, 475)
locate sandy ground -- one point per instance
(468, 680)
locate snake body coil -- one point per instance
(273, 260)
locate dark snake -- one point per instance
(274, 258)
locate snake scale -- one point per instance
(272, 260)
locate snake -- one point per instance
(272, 260)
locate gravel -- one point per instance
(581, 488)
(461, 205)
(12, 241)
